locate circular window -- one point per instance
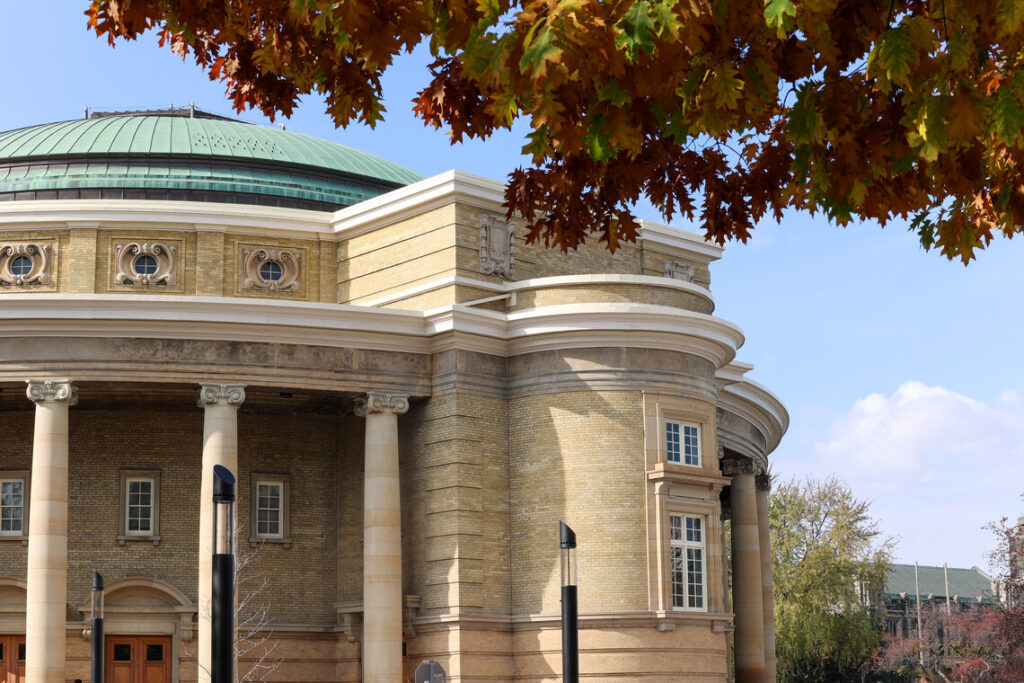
(21, 265)
(271, 271)
(145, 265)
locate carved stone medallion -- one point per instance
(26, 263)
(273, 270)
(677, 270)
(144, 263)
(497, 239)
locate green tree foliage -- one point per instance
(724, 111)
(829, 553)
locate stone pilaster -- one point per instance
(46, 600)
(764, 484)
(382, 539)
(746, 572)
(220, 447)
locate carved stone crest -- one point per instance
(274, 270)
(27, 263)
(497, 239)
(144, 263)
(677, 270)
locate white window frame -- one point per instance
(284, 521)
(153, 533)
(681, 442)
(21, 477)
(684, 545)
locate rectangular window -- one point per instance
(687, 568)
(682, 443)
(12, 507)
(269, 521)
(139, 507)
(268, 509)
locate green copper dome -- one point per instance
(182, 155)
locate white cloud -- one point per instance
(938, 465)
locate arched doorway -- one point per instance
(145, 623)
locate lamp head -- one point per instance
(566, 536)
(223, 485)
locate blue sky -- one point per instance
(901, 370)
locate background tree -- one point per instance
(829, 553)
(983, 645)
(730, 109)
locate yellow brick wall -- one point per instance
(612, 293)
(578, 456)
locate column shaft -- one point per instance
(382, 541)
(46, 599)
(220, 447)
(746, 578)
(767, 597)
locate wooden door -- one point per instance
(138, 659)
(12, 659)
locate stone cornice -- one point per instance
(757, 405)
(428, 194)
(51, 390)
(145, 214)
(336, 325)
(689, 243)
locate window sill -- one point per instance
(256, 541)
(686, 473)
(154, 539)
(23, 539)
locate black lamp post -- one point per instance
(223, 588)
(97, 627)
(570, 620)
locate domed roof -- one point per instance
(166, 154)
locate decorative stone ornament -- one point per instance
(379, 403)
(26, 263)
(497, 240)
(146, 264)
(226, 394)
(677, 270)
(274, 270)
(52, 390)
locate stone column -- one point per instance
(746, 572)
(382, 539)
(220, 447)
(46, 600)
(764, 484)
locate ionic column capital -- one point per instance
(49, 390)
(763, 481)
(221, 394)
(374, 402)
(732, 467)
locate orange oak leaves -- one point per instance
(724, 111)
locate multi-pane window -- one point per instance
(682, 443)
(269, 497)
(12, 507)
(139, 507)
(687, 570)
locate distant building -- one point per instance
(968, 589)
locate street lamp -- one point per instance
(570, 620)
(223, 599)
(97, 627)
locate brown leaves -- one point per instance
(733, 109)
